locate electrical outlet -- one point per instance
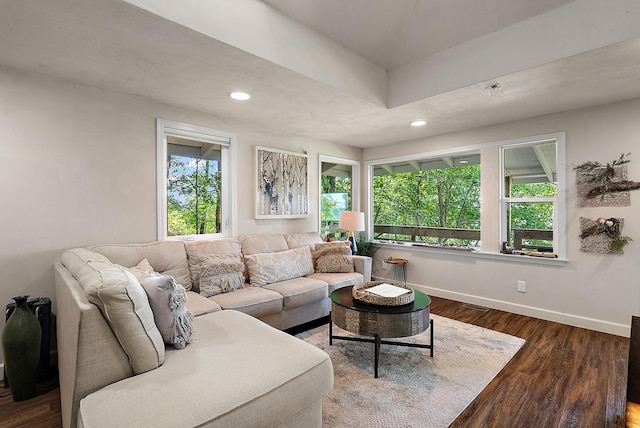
(521, 287)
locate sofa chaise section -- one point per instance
(240, 373)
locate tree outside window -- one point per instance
(194, 196)
(430, 201)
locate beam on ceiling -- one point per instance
(578, 27)
(259, 29)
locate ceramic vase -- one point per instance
(21, 347)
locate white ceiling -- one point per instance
(393, 33)
(331, 68)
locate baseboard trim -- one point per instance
(545, 314)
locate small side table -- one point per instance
(397, 264)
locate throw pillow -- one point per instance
(269, 268)
(141, 269)
(220, 273)
(209, 246)
(334, 257)
(333, 247)
(168, 301)
(123, 303)
(334, 263)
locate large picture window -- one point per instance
(194, 185)
(429, 200)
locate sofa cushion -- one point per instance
(200, 305)
(124, 304)
(297, 240)
(255, 244)
(166, 257)
(267, 268)
(339, 280)
(254, 301)
(224, 246)
(300, 291)
(220, 273)
(239, 373)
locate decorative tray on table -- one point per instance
(383, 293)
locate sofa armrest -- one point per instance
(362, 264)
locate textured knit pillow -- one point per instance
(220, 273)
(195, 248)
(269, 268)
(168, 301)
(334, 257)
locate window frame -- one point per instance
(228, 141)
(491, 194)
(559, 207)
(355, 182)
(370, 165)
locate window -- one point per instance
(194, 181)
(338, 192)
(530, 196)
(428, 200)
(475, 198)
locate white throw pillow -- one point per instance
(269, 268)
(220, 273)
(168, 300)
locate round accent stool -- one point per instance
(397, 264)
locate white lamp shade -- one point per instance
(351, 220)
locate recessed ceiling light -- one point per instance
(240, 96)
(464, 161)
(418, 123)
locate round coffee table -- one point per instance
(379, 321)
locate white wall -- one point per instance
(77, 167)
(595, 291)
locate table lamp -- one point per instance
(352, 221)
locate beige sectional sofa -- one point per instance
(237, 372)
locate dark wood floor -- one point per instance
(562, 377)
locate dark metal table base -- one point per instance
(377, 342)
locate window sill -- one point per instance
(511, 258)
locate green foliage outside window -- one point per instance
(533, 215)
(335, 197)
(193, 197)
(438, 198)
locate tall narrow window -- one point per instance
(530, 196)
(194, 189)
(338, 192)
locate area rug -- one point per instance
(413, 389)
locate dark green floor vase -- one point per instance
(21, 348)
